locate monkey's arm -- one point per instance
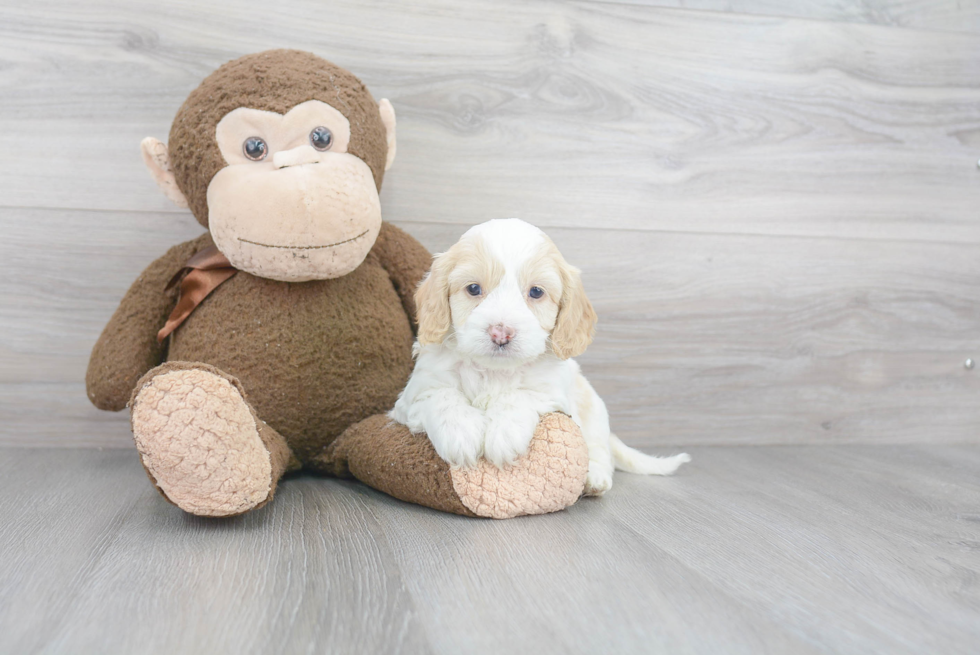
(406, 261)
(128, 346)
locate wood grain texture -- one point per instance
(703, 339)
(776, 217)
(836, 549)
(568, 114)
(943, 15)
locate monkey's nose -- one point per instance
(297, 156)
(501, 334)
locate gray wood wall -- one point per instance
(776, 205)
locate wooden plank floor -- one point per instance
(832, 549)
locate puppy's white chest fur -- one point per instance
(481, 386)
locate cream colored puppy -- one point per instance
(500, 315)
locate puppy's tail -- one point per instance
(633, 461)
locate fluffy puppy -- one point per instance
(501, 314)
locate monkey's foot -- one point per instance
(549, 477)
(199, 441)
(387, 456)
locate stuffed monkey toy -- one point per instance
(276, 341)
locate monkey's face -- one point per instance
(292, 204)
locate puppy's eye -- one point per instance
(321, 138)
(255, 148)
(536, 292)
(474, 290)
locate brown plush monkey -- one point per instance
(276, 340)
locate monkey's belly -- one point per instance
(314, 357)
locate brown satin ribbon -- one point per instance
(200, 276)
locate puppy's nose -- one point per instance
(501, 334)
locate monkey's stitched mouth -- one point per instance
(329, 245)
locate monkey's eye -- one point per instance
(536, 292)
(255, 148)
(321, 138)
(474, 290)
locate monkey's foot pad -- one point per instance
(548, 478)
(200, 443)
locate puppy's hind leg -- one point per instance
(600, 477)
(593, 418)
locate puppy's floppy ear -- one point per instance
(432, 301)
(575, 325)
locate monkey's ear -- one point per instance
(157, 161)
(388, 118)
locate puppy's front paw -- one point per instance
(508, 437)
(458, 439)
(599, 479)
